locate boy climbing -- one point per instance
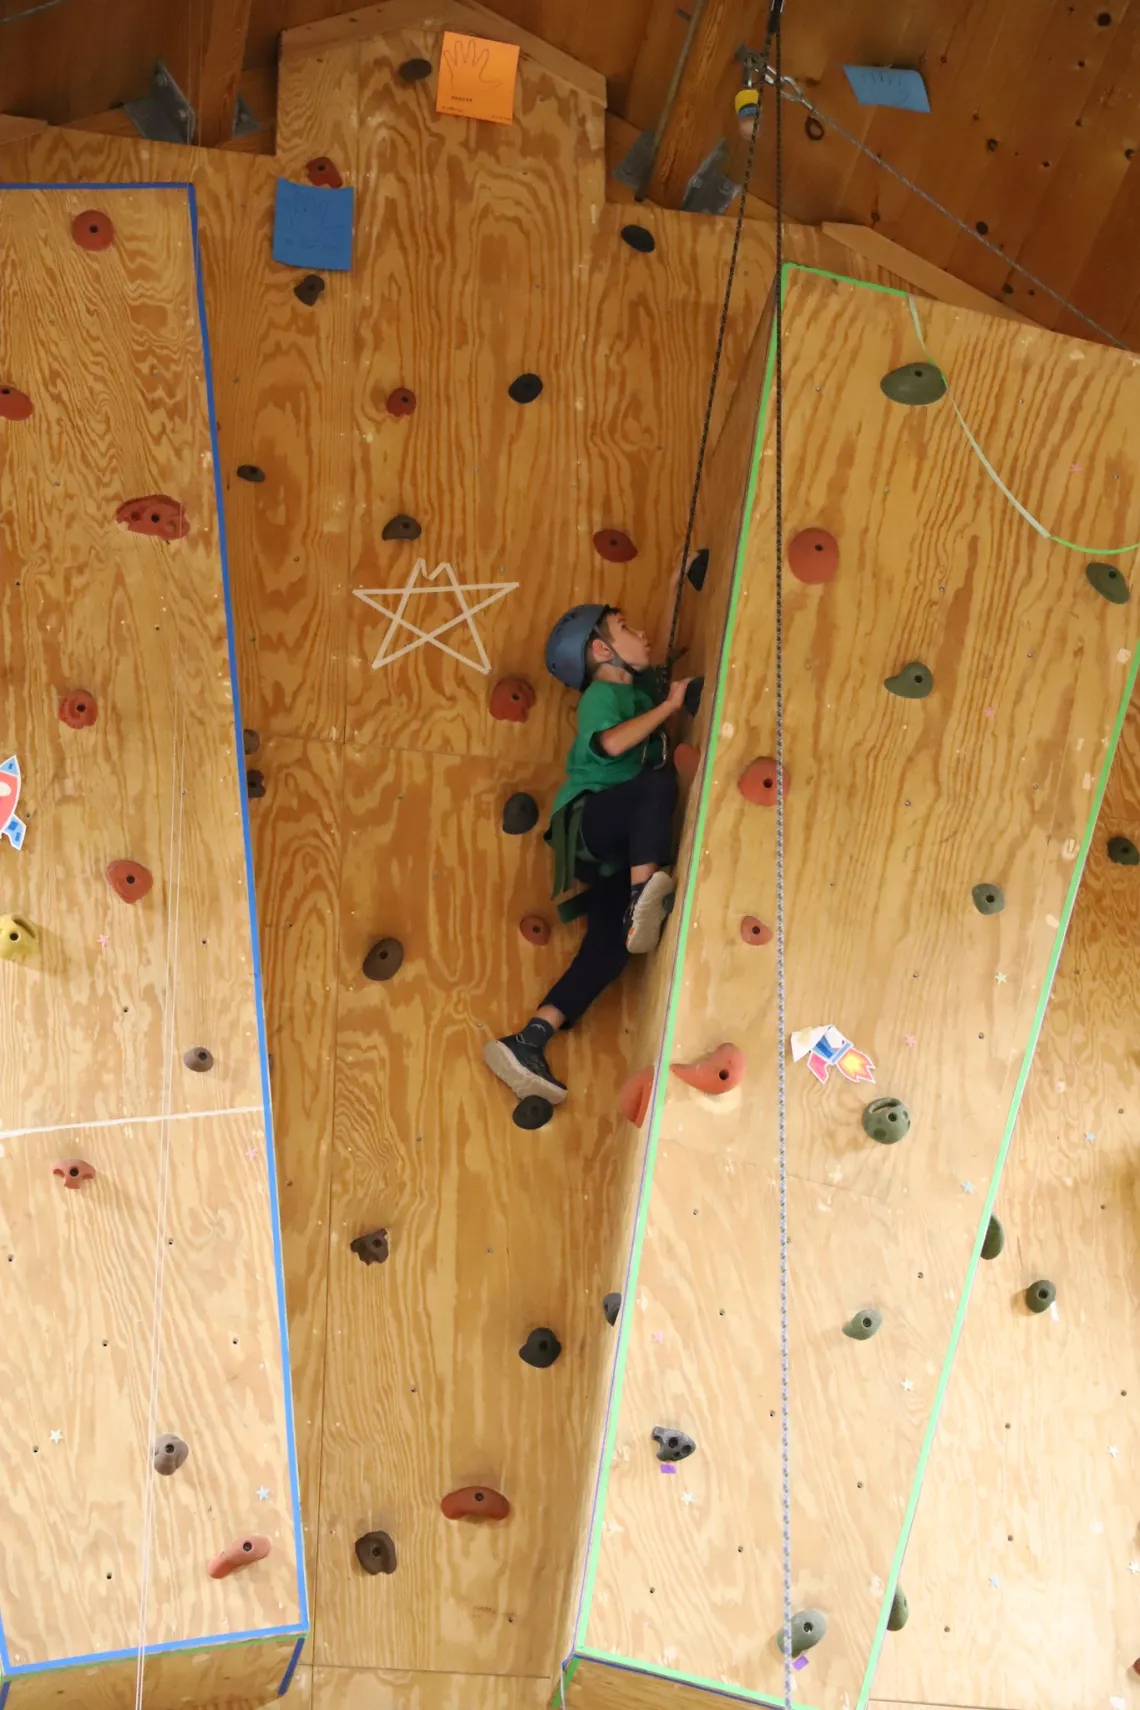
(611, 828)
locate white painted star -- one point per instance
(414, 587)
(1089, 1137)
(686, 1497)
(1113, 1450)
(967, 1187)
(994, 1580)
(56, 1436)
(263, 1494)
(1000, 979)
(1134, 1567)
(907, 1384)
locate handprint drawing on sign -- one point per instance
(468, 70)
(477, 78)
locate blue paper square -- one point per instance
(883, 86)
(312, 227)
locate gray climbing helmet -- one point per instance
(567, 643)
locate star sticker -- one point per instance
(374, 597)
(263, 1494)
(1113, 1450)
(909, 1039)
(686, 1497)
(56, 1436)
(994, 1580)
(907, 1384)
(1134, 1567)
(1000, 979)
(967, 1187)
(988, 712)
(659, 1335)
(103, 938)
(1089, 1136)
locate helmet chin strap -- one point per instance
(614, 654)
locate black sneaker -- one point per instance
(523, 1067)
(649, 905)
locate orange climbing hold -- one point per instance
(78, 710)
(323, 173)
(14, 406)
(475, 1502)
(716, 1072)
(512, 700)
(157, 515)
(92, 230)
(686, 759)
(813, 556)
(73, 1172)
(239, 1554)
(757, 782)
(634, 1095)
(535, 929)
(754, 931)
(128, 880)
(615, 546)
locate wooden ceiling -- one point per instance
(1031, 141)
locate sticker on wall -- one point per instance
(477, 78)
(826, 1048)
(424, 584)
(11, 825)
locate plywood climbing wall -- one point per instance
(141, 1301)
(932, 847)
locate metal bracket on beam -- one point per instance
(163, 114)
(636, 164)
(709, 190)
(246, 122)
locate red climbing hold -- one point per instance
(163, 517)
(757, 783)
(92, 230)
(535, 929)
(754, 931)
(475, 1502)
(813, 555)
(79, 709)
(322, 172)
(634, 1095)
(73, 1172)
(239, 1554)
(512, 700)
(686, 759)
(615, 546)
(128, 880)
(401, 402)
(14, 406)
(716, 1072)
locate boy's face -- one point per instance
(631, 645)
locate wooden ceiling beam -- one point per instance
(206, 63)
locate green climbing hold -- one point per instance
(1039, 1296)
(1123, 851)
(886, 1120)
(913, 683)
(917, 383)
(900, 1612)
(1110, 582)
(808, 1628)
(864, 1324)
(994, 1242)
(988, 899)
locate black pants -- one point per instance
(631, 824)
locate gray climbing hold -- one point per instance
(309, 289)
(376, 1552)
(1039, 1296)
(520, 814)
(994, 1242)
(383, 960)
(198, 1059)
(532, 1112)
(638, 238)
(672, 1445)
(864, 1324)
(808, 1628)
(1110, 582)
(913, 683)
(698, 569)
(414, 70)
(900, 1612)
(886, 1120)
(988, 899)
(170, 1453)
(611, 1306)
(372, 1248)
(693, 693)
(540, 1349)
(917, 383)
(524, 389)
(401, 527)
(1123, 851)
(250, 472)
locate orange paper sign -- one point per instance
(477, 78)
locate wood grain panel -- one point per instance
(360, 1689)
(242, 1677)
(1029, 669)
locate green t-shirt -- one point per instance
(588, 766)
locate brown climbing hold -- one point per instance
(14, 406)
(254, 784)
(401, 527)
(716, 1072)
(239, 1554)
(813, 555)
(754, 931)
(73, 1172)
(157, 514)
(401, 402)
(634, 1095)
(475, 1502)
(78, 710)
(383, 960)
(613, 545)
(128, 880)
(686, 759)
(198, 1059)
(322, 172)
(309, 289)
(535, 929)
(376, 1552)
(371, 1249)
(757, 783)
(512, 699)
(92, 230)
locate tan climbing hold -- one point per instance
(73, 1172)
(757, 783)
(19, 939)
(535, 929)
(754, 931)
(716, 1072)
(634, 1095)
(813, 556)
(252, 1548)
(686, 759)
